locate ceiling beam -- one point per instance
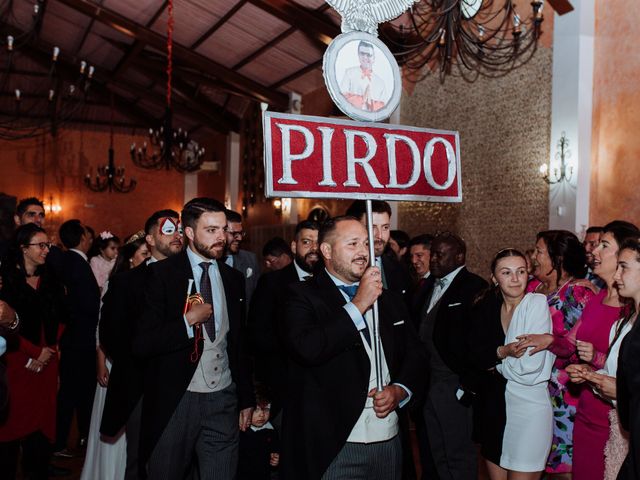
(182, 53)
(84, 121)
(85, 34)
(224, 19)
(295, 75)
(137, 46)
(315, 26)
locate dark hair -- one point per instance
(71, 233)
(152, 221)
(22, 238)
(276, 247)
(126, 253)
(566, 252)
(401, 238)
(594, 230)
(263, 394)
(455, 241)
(233, 217)
(101, 243)
(358, 208)
(329, 226)
(194, 208)
(365, 44)
(621, 231)
(425, 240)
(306, 224)
(23, 205)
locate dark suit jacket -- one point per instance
(628, 397)
(329, 371)
(247, 264)
(453, 322)
(83, 302)
(161, 338)
(264, 314)
(396, 276)
(122, 307)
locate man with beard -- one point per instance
(443, 321)
(265, 312)
(336, 424)
(121, 309)
(197, 377)
(591, 241)
(394, 275)
(244, 261)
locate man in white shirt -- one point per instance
(360, 85)
(336, 425)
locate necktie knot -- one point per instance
(440, 282)
(350, 290)
(204, 266)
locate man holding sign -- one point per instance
(336, 425)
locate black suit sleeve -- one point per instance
(156, 331)
(312, 333)
(113, 317)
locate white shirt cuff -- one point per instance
(356, 316)
(189, 327)
(409, 395)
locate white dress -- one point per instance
(528, 432)
(106, 458)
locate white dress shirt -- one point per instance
(442, 286)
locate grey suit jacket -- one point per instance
(246, 263)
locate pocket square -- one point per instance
(401, 322)
(454, 304)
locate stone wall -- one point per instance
(504, 127)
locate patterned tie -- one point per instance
(205, 291)
(351, 290)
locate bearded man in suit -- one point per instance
(197, 374)
(336, 425)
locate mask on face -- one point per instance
(169, 226)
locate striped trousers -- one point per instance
(367, 461)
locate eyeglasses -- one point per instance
(365, 54)
(42, 245)
(239, 234)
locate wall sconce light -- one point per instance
(563, 171)
(277, 206)
(52, 208)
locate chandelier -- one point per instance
(467, 38)
(109, 177)
(168, 148)
(38, 107)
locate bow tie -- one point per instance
(350, 290)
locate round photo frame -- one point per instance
(362, 76)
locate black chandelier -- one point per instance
(170, 148)
(467, 38)
(109, 177)
(37, 107)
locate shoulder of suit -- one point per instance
(230, 271)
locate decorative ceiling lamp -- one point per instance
(468, 38)
(170, 148)
(109, 177)
(38, 108)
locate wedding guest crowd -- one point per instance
(179, 358)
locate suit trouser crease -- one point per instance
(203, 428)
(367, 461)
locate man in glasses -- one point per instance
(360, 85)
(29, 210)
(244, 261)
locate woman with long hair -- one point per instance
(587, 344)
(512, 409)
(559, 263)
(106, 457)
(32, 369)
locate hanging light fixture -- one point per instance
(168, 148)
(109, 177)
(468, 38)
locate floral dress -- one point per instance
(565, 306)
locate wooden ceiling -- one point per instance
(226, 54)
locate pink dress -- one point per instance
(101, 268)
(591, 426)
